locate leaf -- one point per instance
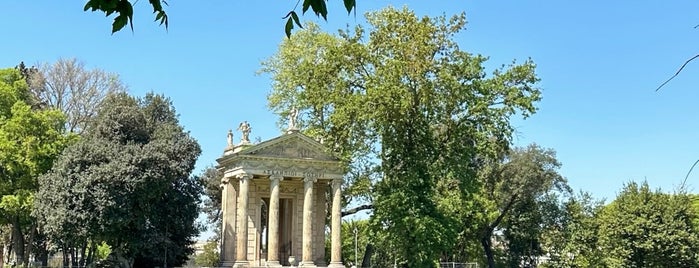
(289, 26)
(296, 19)
(320, 8)
(88, 5)
(306, 5)
(119, 23)
(156, 5)
(349, 5)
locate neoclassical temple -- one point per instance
(275, 199)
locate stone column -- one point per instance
(336, 225)
(228, 207)
(241, 258)
(307, 243)
(273, 226)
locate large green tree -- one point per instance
(409, 112)
(646, 228)
(126, 182)
(514, 198)
(30, 140)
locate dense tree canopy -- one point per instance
(30, 140)
(646, 228)
(126, 182)
(408, 111)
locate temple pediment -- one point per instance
(290, 146)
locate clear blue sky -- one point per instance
(599, 61)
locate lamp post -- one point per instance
(355, 246)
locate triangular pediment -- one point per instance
(291, 146)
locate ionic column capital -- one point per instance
(243, 176)
(309, 179)
(224, 181)
(276, 178)
(337, 183)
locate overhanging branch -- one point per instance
(354, 210)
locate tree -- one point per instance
(30, 140)
(645, 228)
(126, 183)
(68, 86)
(210, 256)
(517, 183)
(573, 240)
(124, 11)
(210, 178)
(408, 111)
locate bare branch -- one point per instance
(678, 72)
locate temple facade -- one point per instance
(276, 197)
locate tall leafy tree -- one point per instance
(409, 112)
(126, 182)
(30, 140)
(646, 228)
(513, 191)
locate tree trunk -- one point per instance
(74, 256)
(83, 256)
(369, 250)
(30, 244)
(65, 257)
(18, 241)
(91, 253)
(488, 248)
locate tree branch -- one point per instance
(503, 213)
(357, 209)
(678, 71)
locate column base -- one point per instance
(227, 263)
(273, 264)
(307, 264)
(336, 265)
(241, 264)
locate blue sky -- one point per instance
(599, 61)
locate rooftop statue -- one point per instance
(293, 119)
(245, 129)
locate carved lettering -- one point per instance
(313, 175)
(288, 173)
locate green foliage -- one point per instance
(210, 256)
(348, 239)
(518, 196)
(409, 112)
(103, 251)
(573, 240)
(126, 182)
(210, 179)
(30, 140)
(645, 228)
(124, 11)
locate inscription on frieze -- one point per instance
(288, 173)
